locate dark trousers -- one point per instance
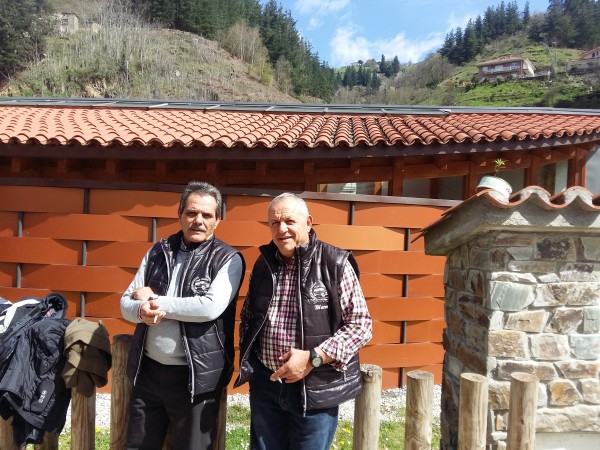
(277, 421)
(162, 396)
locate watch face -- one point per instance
(315, 359)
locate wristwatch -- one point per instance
(315, 359)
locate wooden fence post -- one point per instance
(120, 392)
(50, 442)
(419, 398)
(366, 410)
(83, 421)
(522, 411)
(472, 422)
(6, 435)
(222, 423)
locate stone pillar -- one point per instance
(522, 294)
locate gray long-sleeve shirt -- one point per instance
(163, 341)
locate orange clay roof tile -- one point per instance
(171, 126)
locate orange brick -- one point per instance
(398, 262)
(39, 250)
(425, 285)
(406, 308)
(9, 224)
(166, 227)
(361, 238)
(329, 212)
(376, 285)
(425, 331)
(8, 274)
(76, 278)
(134, 203)
(244, 233)
(390, 378)
(120, 254)
(86, 227)
(386, 333)
(41, 199)
(246, 208)
(99, 304)
(402, 355)
(401, 216)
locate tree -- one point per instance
(395, 66)
(22, 32)
(526, 14)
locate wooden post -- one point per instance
(222, 423)
(419, 398)
(472, 422)
(366, 409)
(120, 392)
(6, 435)
(50, 442)
(522, 411)
(83, 421)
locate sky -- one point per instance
(344, 31)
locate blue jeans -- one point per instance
(277, 421)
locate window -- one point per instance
(365, 188)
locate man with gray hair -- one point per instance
(303, 321)
(183, 302)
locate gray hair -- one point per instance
(285, 196)
(201, 188)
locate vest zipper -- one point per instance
(186, 347)
(301, 317)
(274, 281)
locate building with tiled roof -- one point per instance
(417, 151)
(589, 61)
(507, 66)
(86, 187)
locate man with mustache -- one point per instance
(183, 302)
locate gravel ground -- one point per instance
(390, 399)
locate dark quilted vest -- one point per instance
(210, 346)
(321, 269)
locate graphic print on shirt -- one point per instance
(200, 285)
(319, 296)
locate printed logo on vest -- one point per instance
(200, 285)
(318, 293)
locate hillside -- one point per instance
(120, 56)
(437, 82)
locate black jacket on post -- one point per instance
(321, 267)
(209, 345)
(32, 390)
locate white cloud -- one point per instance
(314, 22)
(455, 22)
(349, 46)
(320, 7)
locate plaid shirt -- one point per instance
(279, 333)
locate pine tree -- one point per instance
(22, 32)
(395, 66)
(526, 14)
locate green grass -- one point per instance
(391, 434)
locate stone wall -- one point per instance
(522, 301)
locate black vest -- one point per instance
(321, 267)
(209, 345)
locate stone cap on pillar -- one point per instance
(532, 209)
